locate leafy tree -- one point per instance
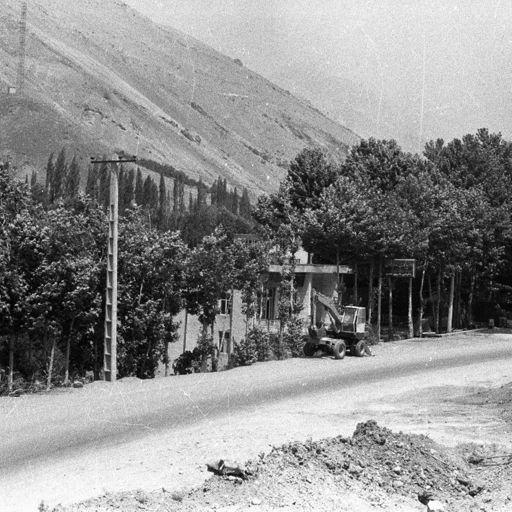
(151, 273)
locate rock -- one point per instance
(463, 480)
(397, 470)
(256, 501)
(77, 384)
(354, 469)
(397, 484)
(435, 506)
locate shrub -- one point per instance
(245, 352)
(293, 339)
(263, 344)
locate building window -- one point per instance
(224, 306)
(268, 303)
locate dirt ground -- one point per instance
(375, 469)
(468, 467)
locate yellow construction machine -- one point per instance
(346, 331)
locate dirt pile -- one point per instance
(375, 469)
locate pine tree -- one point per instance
(175, 195)
(48, 185)
(245, 205)
(128, 188)
(201, 195)
(139, 189)
(91, 186)
(59, 177)
(72, 183)
(162, 202)
(181, 197)
(104, 185)
(162, 192)
(234, 201)
(33, 180)
(122, 177)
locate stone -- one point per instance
(435, 506)
(256, 501)
(77, 384)
(354, 469)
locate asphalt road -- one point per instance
(102, 414)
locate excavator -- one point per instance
(347, 330)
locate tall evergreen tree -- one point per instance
(48, 186)
(59, 176)
(147, 196)
(245, 205)
(129, 187)
(72, 183)
(234, 201)
(139, 188)
(201, 194)
(104, 185)
(122, 185)
(33, 180)
(175, 195)
(91, 186)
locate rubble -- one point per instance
(382, 469)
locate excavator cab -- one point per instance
(353, 322)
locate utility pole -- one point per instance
(110, 336)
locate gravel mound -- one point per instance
(375, 469)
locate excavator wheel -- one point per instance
(309, 349)
(360, 348)
(339, 350)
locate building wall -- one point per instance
(194, 328)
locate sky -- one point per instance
(413, 70)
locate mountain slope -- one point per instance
(101, 77)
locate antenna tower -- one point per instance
(20, 77)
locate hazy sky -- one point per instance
(412, 70)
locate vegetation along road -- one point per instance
(147, 434)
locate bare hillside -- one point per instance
(100, 76)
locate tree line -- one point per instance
(196, 214)
(53, 272)
(449, 209)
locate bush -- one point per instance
(188, 362)
(263, 344)
(245, 352)
(293, 339)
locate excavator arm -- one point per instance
(330, 307)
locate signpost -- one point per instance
(110, 336)
(401, 268)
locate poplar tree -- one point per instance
(139, 188)
(72, 183)
(59, 177)
(48, 186)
